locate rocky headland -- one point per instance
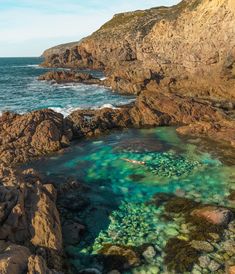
(180, 61)
(187, 48)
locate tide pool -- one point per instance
(126, 177)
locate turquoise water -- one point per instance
(20, 91)
(121, 173)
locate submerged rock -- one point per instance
(149, 253)
(72, 232)
(202, 246)
(119, 257)
(214, 215)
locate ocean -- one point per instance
(20, 91)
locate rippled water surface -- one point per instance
(20, 91)
(123, 172)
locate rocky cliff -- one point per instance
(188, 48)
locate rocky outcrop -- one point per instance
(188, 48)
(223, 131)
(155, 109)
(23, 137)
(30, 223)
(86, 123)
(61, 77)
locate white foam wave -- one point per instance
(64, 111)
(103, 78)
(107, 106)
(27, 66)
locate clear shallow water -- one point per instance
(123, 171)
(20, 91)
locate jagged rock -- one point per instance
(153, 109)
(93, 122)
(69, 76)
(37, 265)
(29, 216)
(23, 137)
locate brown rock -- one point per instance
(93, 122)
(37, 265)
(119, 257)
(13, 258)
(29, 216)
(231, 269)
(69, 77)
(222, 131)
(214, 215)
(23, 137)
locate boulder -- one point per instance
(214, 215)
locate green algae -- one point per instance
(180, 256)
(131, 224)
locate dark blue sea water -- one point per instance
(20, 91)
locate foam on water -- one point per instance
(20, 91)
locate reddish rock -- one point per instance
(231, 269)
(214, 215)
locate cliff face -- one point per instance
(188, 48)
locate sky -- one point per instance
(28, 27)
